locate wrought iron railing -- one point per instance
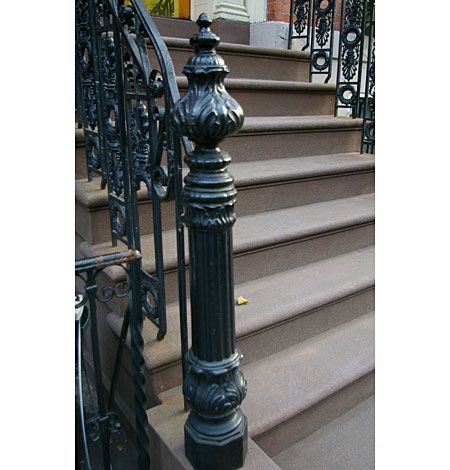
(125, 103)
(135, 127)
(90, 292)
(313, 22)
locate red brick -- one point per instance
(279, 10)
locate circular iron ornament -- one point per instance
(108, 292)
(320, 55)
(369, 131)
(342, 98)
(118, 219)
(351, 42)
(149, 297)
(324, 10)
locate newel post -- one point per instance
(216, 429)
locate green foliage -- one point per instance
(370, 6)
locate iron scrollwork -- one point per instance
(87, 105)
(368, 133)
(110, 111)
(134, 135)
(88, 271)
(300, 22)
(351, 46)
(322, 35)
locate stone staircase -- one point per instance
(303, 256)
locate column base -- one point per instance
(209, 446)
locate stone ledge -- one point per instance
(167, 438)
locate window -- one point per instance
(169, 8)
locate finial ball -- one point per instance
(203, 21)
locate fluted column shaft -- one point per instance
(216, 429)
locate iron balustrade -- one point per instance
(368, 139)
(87, 109)
(126, 102)
(134, 113)
(314, 22)
(300, 22)
(91, 291)
(322, 38)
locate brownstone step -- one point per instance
(246, 61)
(278, 98)
(262, 185)
(283, 310)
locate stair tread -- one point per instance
(316, 284)
(286, 383)
(346, 443)
(91, 195)
(253, 84)
(261, 230)
(172, 42)
(258, 124)
(284, 169)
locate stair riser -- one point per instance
(242, 65)
(80, 162)
(288, 433)
(245, 147)
(282, 102)
(228, 31)
(108, 349)
(93, 225)
(122, 406)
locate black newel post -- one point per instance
(216, 429)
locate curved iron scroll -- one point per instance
(88, 271)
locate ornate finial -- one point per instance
(203, 21)
(206, 113)
(205, 40)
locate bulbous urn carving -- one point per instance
(206, 113)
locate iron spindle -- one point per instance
(91, 290)
(350, 59)
(216, 429)
(322, 35)
(300, 21)
(368, 130)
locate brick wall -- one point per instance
(278, 10)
